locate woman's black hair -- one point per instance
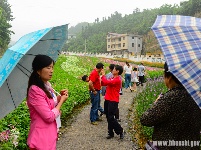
(135, 69)
(167, 74)
(39, 62)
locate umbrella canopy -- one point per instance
(16, 63)
(180, 40)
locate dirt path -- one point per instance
(82, 135)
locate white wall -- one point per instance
(150, 58)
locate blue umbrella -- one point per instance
(180, 40)
(16, 63)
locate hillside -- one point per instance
(139, 22)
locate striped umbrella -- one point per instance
(180, 40)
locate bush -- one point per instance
(141, 103)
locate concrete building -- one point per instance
(71, 36)
(124, 43)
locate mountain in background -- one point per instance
(92, 36)
(78, 28)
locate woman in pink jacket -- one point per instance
(42, 107)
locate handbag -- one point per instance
(149, 146)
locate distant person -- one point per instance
(85, 78)
(128, 70)
(134, 79)
(112, 98)
(44, 105)
(141, 73)
(174, 115)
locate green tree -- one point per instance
(5, 18)
(190, 8)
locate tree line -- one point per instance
(5, 31)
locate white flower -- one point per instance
(71, 66)
(14, 135)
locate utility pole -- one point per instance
(84, 35)
(85, 45)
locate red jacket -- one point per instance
(113, 88)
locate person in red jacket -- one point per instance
(112, 96)
(94, 87)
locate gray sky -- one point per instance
(32, 15)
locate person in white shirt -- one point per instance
(134, 78)
(128, 70)
(141, 73)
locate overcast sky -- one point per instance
(32, 15)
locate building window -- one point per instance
(123, 44)
(132, 37)
(108, 35)
(108, 40)
(123, 38)
(138, 45)
(119, 39)
(119, 45)
(108, 46)
(132, 44)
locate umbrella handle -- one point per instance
(56, 92)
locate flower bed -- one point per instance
(141, 103)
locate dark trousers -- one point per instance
(117, 114)
(113, 125)
(141, 79)
(106, 110)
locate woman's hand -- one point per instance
(64, 95)
(64, 98)
(64, 92)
